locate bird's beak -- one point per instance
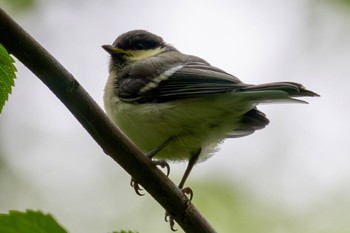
(112, 50)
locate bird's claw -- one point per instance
(188, 191)
(169, 218)
(163, 164)
(136, 185)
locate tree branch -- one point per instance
(92, 118)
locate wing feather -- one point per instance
(176, 76)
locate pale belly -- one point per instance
(189, 124)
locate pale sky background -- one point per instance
(299, 163)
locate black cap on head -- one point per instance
(138, 40)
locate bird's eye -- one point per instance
(139, 46)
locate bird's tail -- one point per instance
(253, 119)
(276, 92)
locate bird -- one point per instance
(178, 107)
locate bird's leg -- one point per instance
(191, 163)
(152, 153)
(161, 163)
(187, 190)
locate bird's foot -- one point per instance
(137, 186)
(163, 164)
(188, 191)
(170, 218)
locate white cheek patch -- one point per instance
(163, 76)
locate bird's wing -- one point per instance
(179, 81)
(196, 80)
(159, 79)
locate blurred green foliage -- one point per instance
(346, 2)
(19, 5)
(232, 210)
(336, 3)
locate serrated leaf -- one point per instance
(29, 222)
(7, 76)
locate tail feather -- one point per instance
(266, 93)
(293, 89)
(278, 91)
(251, 121)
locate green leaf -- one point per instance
(7, 76)
(29, 222)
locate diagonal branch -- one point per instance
(92, 118)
